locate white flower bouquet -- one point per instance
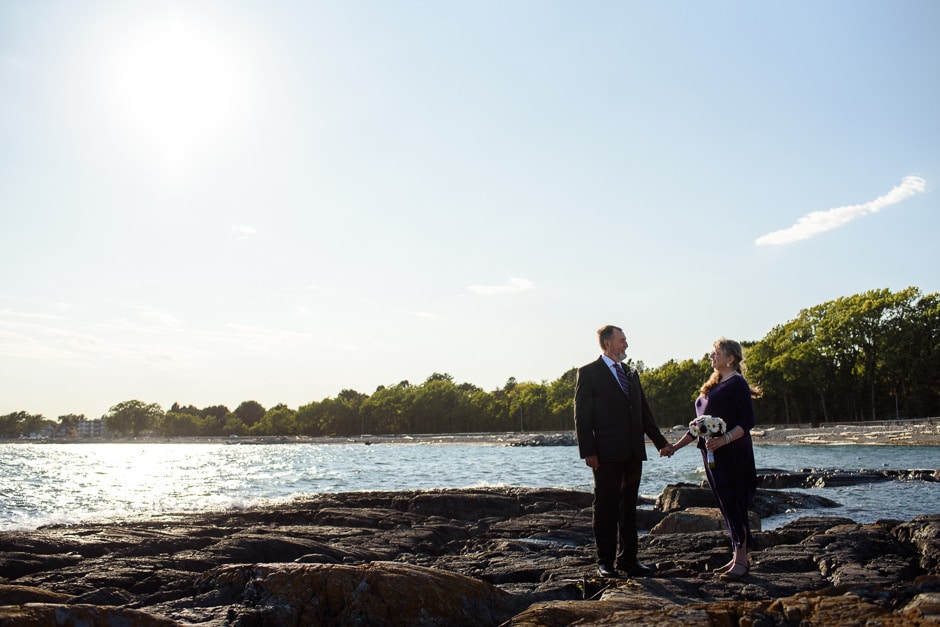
(710, 427)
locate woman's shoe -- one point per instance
(723, 569)
(735, 572)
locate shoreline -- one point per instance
(891, 433)
(924, 432)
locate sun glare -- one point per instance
(177, 86)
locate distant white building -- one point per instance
(91, 428)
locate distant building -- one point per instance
(91, 428)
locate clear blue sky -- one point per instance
(218, 201)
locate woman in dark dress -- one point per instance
(733, 479)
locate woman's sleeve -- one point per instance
(745, 406)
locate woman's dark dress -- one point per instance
(734, 478)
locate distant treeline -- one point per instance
(872, 356)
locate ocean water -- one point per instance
(44, 484)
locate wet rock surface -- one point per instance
(513, 556)
(828, 477)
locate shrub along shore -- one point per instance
(925, 432)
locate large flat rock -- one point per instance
(449, 557)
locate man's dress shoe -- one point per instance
(607, 572)
(636, 569)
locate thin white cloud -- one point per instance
(261, 340)
(511, 286)
(244, 232)
(422, 315)
(24, 345)
(52, 338)
(159, 319)
(812, 224)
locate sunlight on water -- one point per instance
(68, 483)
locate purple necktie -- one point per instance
(622, 377)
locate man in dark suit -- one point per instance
(610, 416)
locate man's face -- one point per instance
(617, 346)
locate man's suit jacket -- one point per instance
(607, 424)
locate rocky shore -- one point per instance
(904, 433)
(900, 433)
(497, 556)
(924, 432)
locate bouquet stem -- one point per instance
(711, 459)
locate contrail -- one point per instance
(817, 222)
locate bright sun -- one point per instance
(177, 86)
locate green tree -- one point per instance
(852, 335)
(388, 410)
(214, 419)
(249, 413)
(68, 424)
(560, 399)
(13, 425)
(234, 426)
(501, 418)
(33, 423)
(794, 374)
(308, 418)
(672, 388)
(918, 367)
(766, 366)
(866, 355)
(529, 405)
(279, 420)
(180, 424)
(343, 412)
(132, 416)
(479, 408)
(435, 405)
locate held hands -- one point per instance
(670, 449)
